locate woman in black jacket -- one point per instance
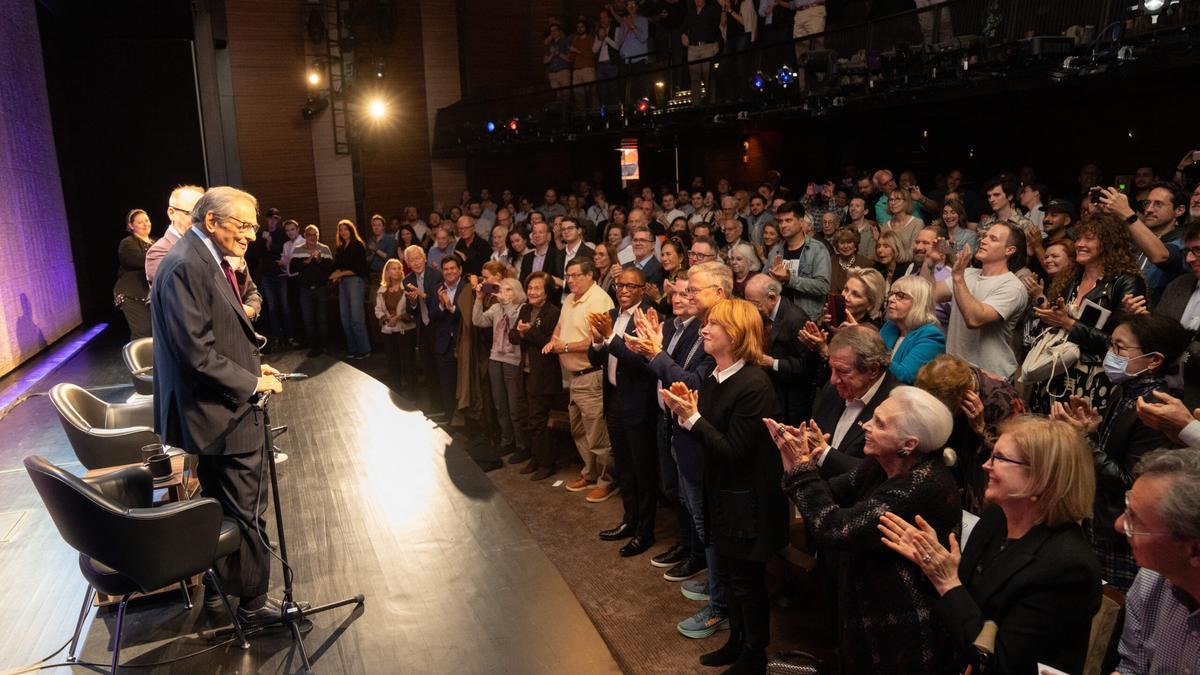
(743, 504)
(1027, 565)
(541, 375)
(1142, 349)
(884, 603)
(350, 275)
(132, 291)
(1105, 271)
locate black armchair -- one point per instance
(139, 359)
(103, 434)
(124, 546)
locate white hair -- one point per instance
(924, 417)
(219, 201)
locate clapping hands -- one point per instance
(681, 401)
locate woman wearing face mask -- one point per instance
(504, 362)
(1027, 565)
(1105, 271)
(1142, 348)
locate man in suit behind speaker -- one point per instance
(207, 375)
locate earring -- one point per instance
(903, 452)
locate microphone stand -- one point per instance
(293, 615)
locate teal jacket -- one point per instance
(920, 346)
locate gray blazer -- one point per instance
(206, 361)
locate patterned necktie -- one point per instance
(229, 275)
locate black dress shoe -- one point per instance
(542, 473)
(519, 456)
(529, 468)
(727, 655)
(670, 557)
(272, 610)
(622, 531)
(636, 546)
(686, 569)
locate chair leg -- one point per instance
(83, 613)
(116, 644)
(187, 596)
(237, 625)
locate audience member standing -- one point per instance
(790, 365)
(420, 285)
(179, 211)
(504, 363)
(472, 250)
(702, 38)
(312, 263)
(398, 328)
(274, 279)
(132, 292)
(444, 321)
(571, 341)
(804, 267)
(541, 375)
(741, 474)
(350, 276)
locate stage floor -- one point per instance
(375, 502)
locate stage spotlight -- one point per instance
(786, 76)
(643, 105)
(512, 125)
(314, 77)
(759, 81)
(490, 126)
(377, 109)
(313, 106)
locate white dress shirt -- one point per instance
(852, 411)
(618, 331)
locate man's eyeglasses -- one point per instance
(243, 226)
(696, 255)
(627, 287)
(693, 291)
(575, 275)
(999, 457)
(1127, 524)
(642, 241)
(176, 208)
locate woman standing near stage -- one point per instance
(131, 292)
(741, 474)
(350, 275)
(398, 327)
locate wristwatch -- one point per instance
(1133, 218)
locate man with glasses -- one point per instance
(1162, 524)
(207, 374)
(573, 247)
(703, 250)
(790, 364)
(179, 210)
(643, 256)
(571, 340)
(1155, 228)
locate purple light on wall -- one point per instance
(39, 301)
(60, 355)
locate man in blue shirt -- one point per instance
(633, 35)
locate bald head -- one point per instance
(180, 204)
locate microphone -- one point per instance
(283, 377)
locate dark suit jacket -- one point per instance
(1172, 303)
(473, 255)
(636, 384)
(1123, 440)
(745, 508)
(1045, 583)
(794, 384)
(206, 362)
(433, 279)
(689, 364)
(445, 324)
(552, 265)
(545, 374)
(827, 410)
(652, 270)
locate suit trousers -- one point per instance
(447, 367)
(749, 613)
(427, 372)
(235, 481)
(635, 468)
(669, 471)
(588, 428)
(537, 422)
(401, 360)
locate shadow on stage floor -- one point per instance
(376, 502)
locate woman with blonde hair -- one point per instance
(397, 327)
(1027, 566)
(911, 330)
(504, 362)
(901, 220)
(891, 256)
(741, 474)
(862, 295)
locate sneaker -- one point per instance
(670, 557)
(685, 570)
(601, 494)
(703, 623)
(695, 589)
(580, 484)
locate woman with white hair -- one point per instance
(504, 362)
(911, 332)
(744, 262)
(885, 603)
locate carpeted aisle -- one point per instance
(633, 607)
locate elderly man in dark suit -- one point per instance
(207, 375)
(419, 286)
(629, 390)
(445, 318)
(789, 364)
(859, 381)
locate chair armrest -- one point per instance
(122, 415)
(131, 487)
